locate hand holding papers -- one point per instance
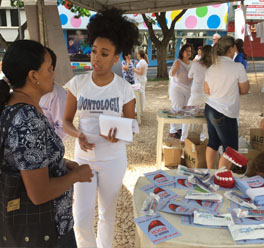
(125, 127)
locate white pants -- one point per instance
(179, 98)
(142, 90)
(195, 100)
(108, 177)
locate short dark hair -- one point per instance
(110, 24)
(21, 57)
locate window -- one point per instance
(14, 17)
(3, 18)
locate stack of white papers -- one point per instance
(125, 126)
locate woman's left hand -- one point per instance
(111, 135)
(71, 165)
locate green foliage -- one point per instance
(17, 3)
(80, 12)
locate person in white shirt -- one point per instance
(198, 97)
(225, 81)
(53, 103)
(199, 54)
(180, 86)
(100, 92)
(140, 73)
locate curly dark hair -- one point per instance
(111, 24)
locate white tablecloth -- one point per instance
(191, 236)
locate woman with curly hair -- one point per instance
(100, 92)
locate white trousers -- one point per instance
(195, 100)
(143, 94)
(179, 98)
(107, 180)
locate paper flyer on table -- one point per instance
(182, 182)
(213, 206)
(160, 178)
(125, 126)
(161, 191)
(157, 228)
(174, 207)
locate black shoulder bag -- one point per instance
(22, 224)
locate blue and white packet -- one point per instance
(212, 206)
(174, 207)
(157, 228)
(159, 177)
(161, 191)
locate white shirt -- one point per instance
(143, 77)
(197, 73)
(53, 105)
(93, 100)
(223, 78)
(180, 79)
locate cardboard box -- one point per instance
(257, 138)
(194, 153)
(172, 151)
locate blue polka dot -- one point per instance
(63, 19)
(159, 24)
(213, 21)
(58, 2)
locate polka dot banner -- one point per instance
(216, 5)
(202, 12)
(63, 19)
(226, 18)
(174, 13)
(76, 22)
(213, 21)
(191, 22)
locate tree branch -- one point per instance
(23, 28)
(152, 35)
(161, 18)
(3, 42)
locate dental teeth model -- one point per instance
(235, 157)
(224, 178)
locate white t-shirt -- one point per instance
(197, 73)
(143, 77)
(223, 78)
(93, 100)
(53, 105)
(180, 79)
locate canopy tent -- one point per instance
(146, 6)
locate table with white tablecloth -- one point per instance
(192, 236)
